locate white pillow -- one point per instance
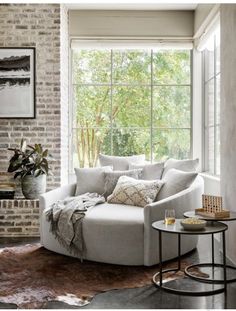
(174, 182)
(188, 165)
(111, 178)
(130, 191)
(120, 163)
(149, 171)
(91, 179)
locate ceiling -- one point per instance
(132, 6)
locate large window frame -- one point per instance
(151, 85)
(213, 126)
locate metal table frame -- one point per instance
(211, 264)
(184, 292)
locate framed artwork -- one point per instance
(17, 83)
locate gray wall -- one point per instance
(131, 23)
(201, 14)
(228, 117)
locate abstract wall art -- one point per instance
(17, 83)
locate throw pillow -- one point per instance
(174, 182)
(120, 163)
(182, 165)
(91, 179)
(130, 191)
(111, 179)
(149, 171)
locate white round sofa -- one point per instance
(123, 234)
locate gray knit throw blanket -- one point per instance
(66, 217)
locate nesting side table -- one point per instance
(212, 264)
(176, 228)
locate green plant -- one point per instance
(29, 160)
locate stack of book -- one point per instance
(7, 191)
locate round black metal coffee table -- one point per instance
(177, 228)
(211, 264)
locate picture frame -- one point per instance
(17, 83)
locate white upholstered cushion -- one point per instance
(112, 233)
(121, 224)
(150, 171)
(91, 179)
(174, 182)
(187, 165)
(120, 163)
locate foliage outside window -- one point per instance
(211, 61)
(131, 102)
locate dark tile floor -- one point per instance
(150, 297)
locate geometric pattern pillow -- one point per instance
(130, 191)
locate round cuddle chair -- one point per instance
(123, 234)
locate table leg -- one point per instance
(212, 250)
(179, 251)
(160, 258)
(224, 260)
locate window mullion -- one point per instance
(111, 102)
(151, 110)
(215, 153)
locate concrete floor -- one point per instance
(150, 297)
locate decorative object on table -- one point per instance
(193, 223)
(71, 282)
(31, 164)
(17, 83)
(7, 191)
(212, 207)
(169, 216)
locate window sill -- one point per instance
(209, 176)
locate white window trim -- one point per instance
(205, 107)
(161, 44)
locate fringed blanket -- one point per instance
(65, 217)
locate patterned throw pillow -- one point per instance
(111, 178)
(130, 191)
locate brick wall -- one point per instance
(35, 25)
(19, 218)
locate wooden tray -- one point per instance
(221, 214)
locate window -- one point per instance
(130, 102)
(211, 62)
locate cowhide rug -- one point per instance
(30, 276)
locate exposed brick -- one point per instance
(6, 223)
(13, 217)
(20, 218)
(23, 223)
(14, 229)
(39, 26)
(21, 27)
(3, 134)
(34, 25)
